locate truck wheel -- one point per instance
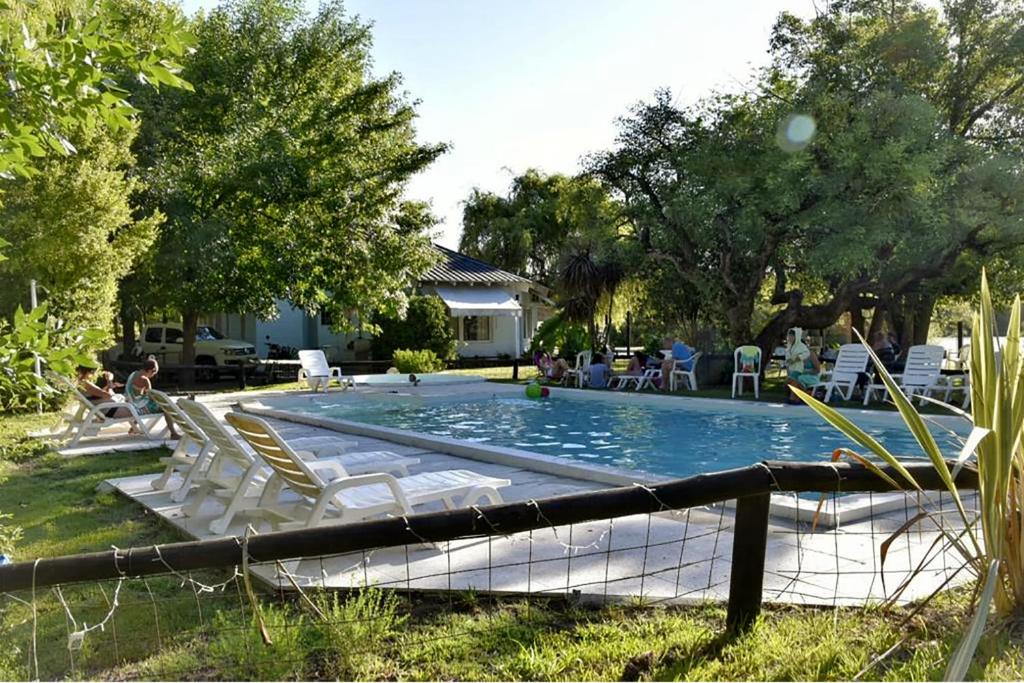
(207, 374)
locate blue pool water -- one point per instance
(667, 441)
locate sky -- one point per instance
(539, 83)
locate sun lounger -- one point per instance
(89, 418)
(851, 362)
(236, 474)
(347, 498)
(921, 376)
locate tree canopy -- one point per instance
(282, 174)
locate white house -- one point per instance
(493, 313)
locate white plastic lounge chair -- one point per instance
(578, 374)
(192, 465)
(679, 373)
(738, 374)
(89, 418)
(316, 373)
(620, 382)
(351, 498)
(851, 361)
(236, 475)
(922, 375)
(650, 379)
(182, 459)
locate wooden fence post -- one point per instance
(750, 539)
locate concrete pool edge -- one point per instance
(849, 508)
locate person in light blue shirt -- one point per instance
(599, 372)
(679, 352)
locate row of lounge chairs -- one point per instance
(921, 376)
(297, 482)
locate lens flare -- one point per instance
(796, 132)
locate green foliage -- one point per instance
(282, 175)
(62, 62)
(557, 336)
(994, 445)
(73, 228)
(36, 335)
(240, 651)
(423, 360)
(426, 325)
(528, 231)
(356, 631)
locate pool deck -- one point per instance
(679, 556)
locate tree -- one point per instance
(282, 175)
(72, 229)
(62, 62)
(425, 326)
(965, 61)
(528, 231)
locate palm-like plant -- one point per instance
(994, 444)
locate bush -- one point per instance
(426, 326)
(423, 360)
(556, 335)
(32, 335)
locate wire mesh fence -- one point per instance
(337, 601)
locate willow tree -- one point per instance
(282, 174)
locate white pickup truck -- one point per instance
(164, 341)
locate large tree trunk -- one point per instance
(856, 323)
(922, 316)
(189, 322)
(738, 315)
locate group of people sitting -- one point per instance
(600, 371)
(99, 386)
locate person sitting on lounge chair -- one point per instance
(600, 373)
(100, 391)
(637, 364)
(139, 385)
(677, 351)
(802, 365)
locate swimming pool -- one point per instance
(669, 440)
(398, 379)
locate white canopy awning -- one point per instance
(464, 301)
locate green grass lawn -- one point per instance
(163, 630)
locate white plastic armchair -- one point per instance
(740, 373)
(580, 372)
(316, 373)
(679, 373)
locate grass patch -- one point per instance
(165, 630)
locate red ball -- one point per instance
(544, 392)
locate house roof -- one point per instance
(456, 268)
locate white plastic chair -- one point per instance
(317, 373)
(348, 498)
(851, 362)
(678, 373)
(579, 372)
(739, 373)
(922, 375)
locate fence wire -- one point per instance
(339, 615)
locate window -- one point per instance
(326, 319)
(207, 333)
(154, 335)
(476, 328)
(174, 336)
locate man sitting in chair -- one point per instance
(802, 365)
(678, 351)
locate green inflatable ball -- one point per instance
(533, 390)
